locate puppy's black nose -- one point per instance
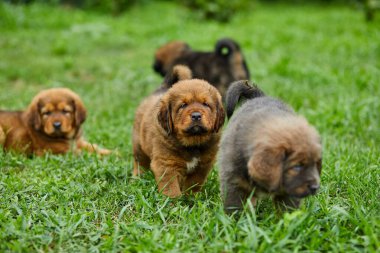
(57, 125)
(313, 188)
(196, 116)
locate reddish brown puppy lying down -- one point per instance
(176, 133)
(51, 123)
(267, 149)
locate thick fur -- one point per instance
(221, 67)
(179, 150)
(267, 149)
(51, 123)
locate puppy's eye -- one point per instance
(183, 105)
(297, 168)
(46, 113)
(66, 112)
(206, 104)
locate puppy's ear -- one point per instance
(220, 115)
(80, 112)
(179, 72)
(165, 117)
(265, 166)
(32, 115)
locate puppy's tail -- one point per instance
(178, 73)
(226, 47)
(230, 50)
(238, 90)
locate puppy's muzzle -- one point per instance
(157, 66)
(196, 127)
(313, 188)
(196, 130)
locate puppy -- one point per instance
(51, 123)
(176, 133)
(267, 150)
(221, 67)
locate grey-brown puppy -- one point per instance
(220, 68)
(266, 149)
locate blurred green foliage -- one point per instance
(220, 10)
(107, 6)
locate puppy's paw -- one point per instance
(103, 151)
(172, 194)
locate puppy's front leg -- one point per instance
(234, 198)
(195, 181)
(168, 177)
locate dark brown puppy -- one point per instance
(266, 149)
(176, 133)
(221, 67)
(51, 123)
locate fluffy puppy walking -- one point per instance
(176, 133)
(51, 123)
(266, 149)
(221, 67)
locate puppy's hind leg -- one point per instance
(140, 160)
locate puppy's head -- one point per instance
(167, 54)
(191, 111)
(56, 112)
(287, 157)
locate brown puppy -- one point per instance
(267, 149)
(176, 133)
(51, 123)
(221, 67)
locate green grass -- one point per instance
(322, 61)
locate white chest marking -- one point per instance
(192, 165)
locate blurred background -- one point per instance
(220, 10)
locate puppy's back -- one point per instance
(13, 130)
(239, 133)
(10, 119)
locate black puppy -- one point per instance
(266, 149)
(220, 68)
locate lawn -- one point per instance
(323, 61)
